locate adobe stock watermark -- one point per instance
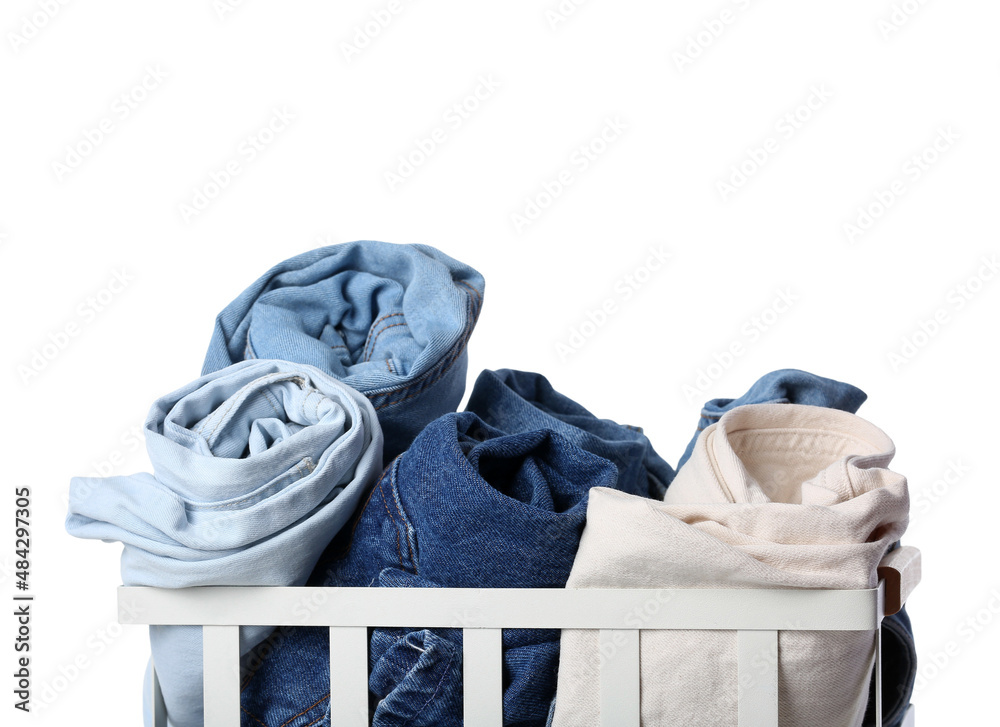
(786, 127)
(31, 25)
(711, 29)
(956, 299)
(98, 643)
(581, 159)
(912, 171)
(84, 313)
(93, 137)
(224, 8)
(560, 12)
(127, 444)
(452, 119)
(248, 150)
(622, 290)
(954, 473)
(971, 627)
(364, 34)
(899, 15)
(751, 331)
(636, 619)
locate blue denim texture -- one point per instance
(492, 497)
(518, 401)
(793, 386)
(255, 469)
(391, 321)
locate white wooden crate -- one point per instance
(756, 615)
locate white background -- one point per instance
(694, 104)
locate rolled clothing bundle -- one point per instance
(792, 386)
(391, 321)
(774, 496)
(519, 401)
(255, 468)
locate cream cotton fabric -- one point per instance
(774, 496)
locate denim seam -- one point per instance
(235, 399)
(447, 668)
(375, 340)
(252, 716)
(407, 525)
(425, 380)
(361, 511)
(298, 467)
(388, 365)
(422, 385)
(314, 704)
(253, 672)
(431, 377)
(385, 504)
(372, 328)
(270, 399)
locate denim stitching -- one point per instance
(234, 400)
(425, 381)
(437, 689)
(375, 340)
(254, 717)
(385, 504)
(406, 521)
(372, 328)
(270, 399)
(324, 697)
(296, 467)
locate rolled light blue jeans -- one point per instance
(255, 468)
(493, 497)
(899, 667)
(391, 321)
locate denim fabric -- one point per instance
(391, 321)
(518, 401)
(493, 497)
(256, 467)
(786, 386)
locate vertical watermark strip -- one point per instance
(24, 601)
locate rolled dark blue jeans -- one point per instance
(492, 497)
(899, 665)
(518, 401)
(391, 321)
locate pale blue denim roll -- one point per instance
(255, 468)
(391, 321)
